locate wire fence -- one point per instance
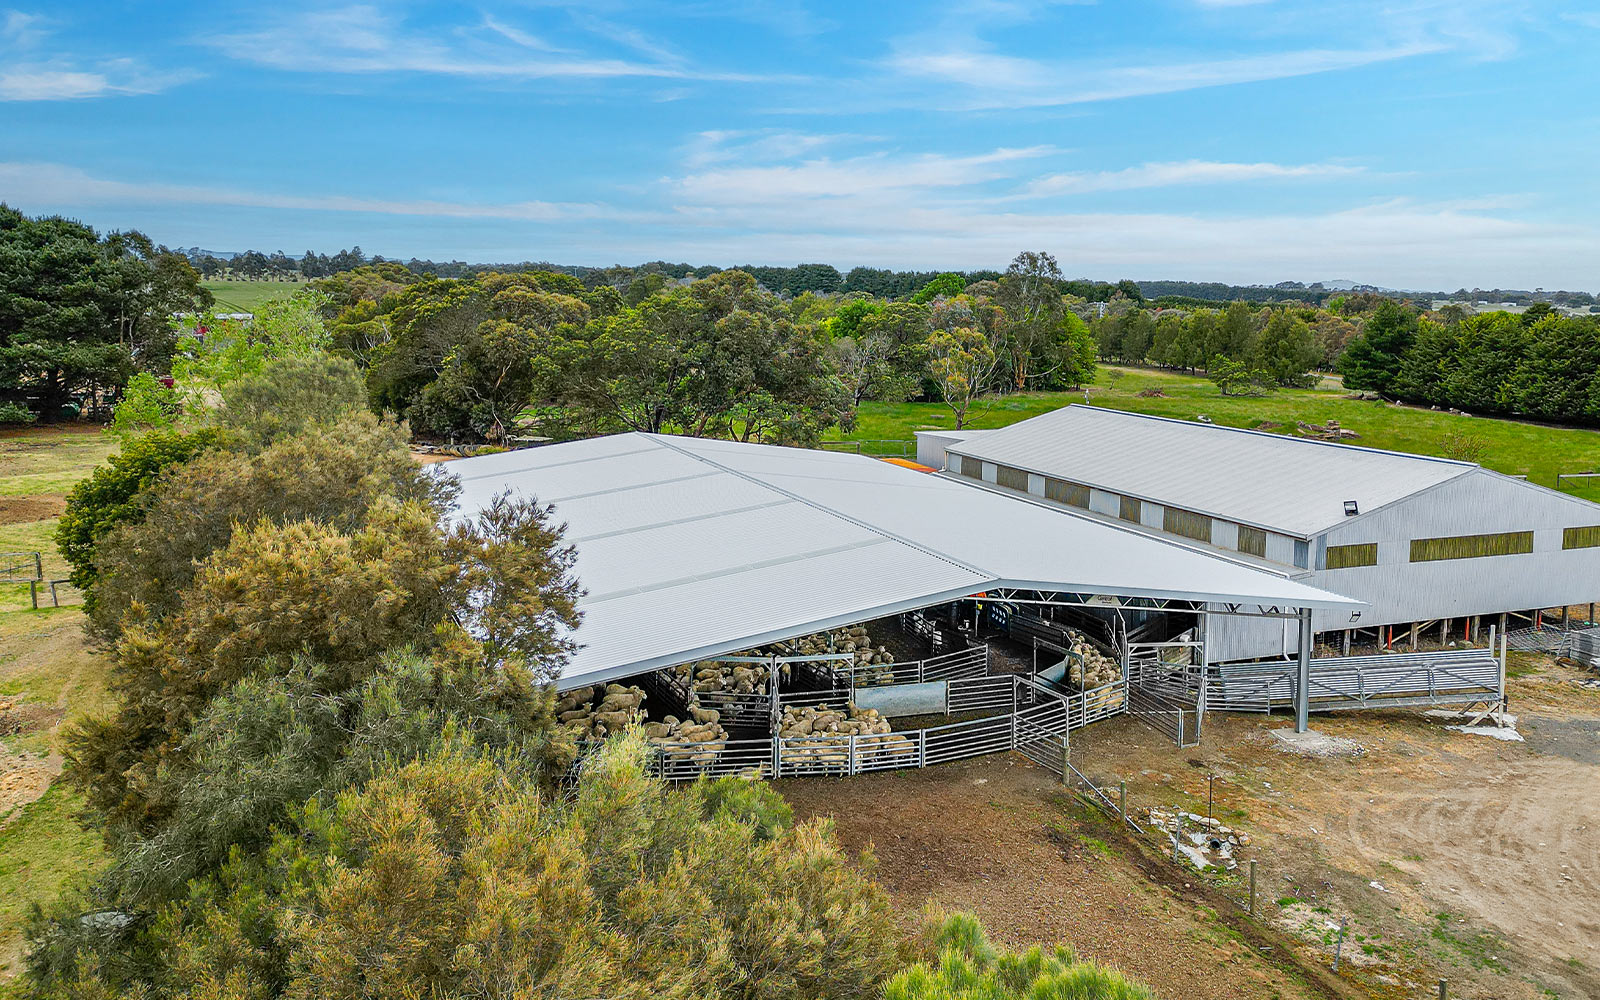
(876, 447)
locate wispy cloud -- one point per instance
(926, 211)
(31, 71)
(987, 79)
(1182, 172)
(364, 39)
(56, 184)
(879, 177)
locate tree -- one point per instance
(942, 286)
(332, 474)
(1030, 294)
(1238, 378)
(960, 362)
(455, 875)
(1287, 351)
(80, 312)
(1373, 359)
(961, 964)
(113, 495)
(288, 396)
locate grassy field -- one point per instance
(1508, 446)
(48, 677)
(248, 296)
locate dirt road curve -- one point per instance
(1518, 849)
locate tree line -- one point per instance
(1538, 364)
(720, 355)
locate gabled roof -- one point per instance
(1294, 486)
(690, 548)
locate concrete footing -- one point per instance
(1314, 744)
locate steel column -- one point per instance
(1302, 687)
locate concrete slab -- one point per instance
(1314, 744)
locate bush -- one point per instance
(331, 476)
(288, 396)
(114, 495)
(13, 414)
(454, 875)
(962, 965)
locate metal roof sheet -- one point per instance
(690, 547)
(1291, 485)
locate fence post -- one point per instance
(1179, 713)
(1444, 989)
(851, 769)
(922, 748)
(1252, 887)
(1122, 799)
(1211, 780)
(33, 593)
(38, 567)
(1338, 948)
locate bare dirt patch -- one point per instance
(1000, 838)
(21, 510)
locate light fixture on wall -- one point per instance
(1351, 508)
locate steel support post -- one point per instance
(1302, 687)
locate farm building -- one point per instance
(795, 611)
(1436, 549)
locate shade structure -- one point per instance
(689, 547)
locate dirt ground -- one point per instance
(1001, 838)
(1447, 855)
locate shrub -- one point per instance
(962, 965)
(454, 875)
(114, 495)
(13, 413)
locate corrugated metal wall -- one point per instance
(1403, 591)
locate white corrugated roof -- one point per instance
(1291, 485)
(689, 547)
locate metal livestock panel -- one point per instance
(1360, 681)
(1584, 647)
(717, 759)
(977, 694)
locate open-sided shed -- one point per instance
(691, 548)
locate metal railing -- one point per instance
(978, 694)
(20, 567)
(960, 663)
(1341, 683)
(1037, 717)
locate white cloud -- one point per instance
(854, 179)
(895, 210)
(361, 39)
(989, 80)
(1183, 172)
(54, 184)
(29, 73)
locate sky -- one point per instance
(1407, 143)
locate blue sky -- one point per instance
(1413, 144)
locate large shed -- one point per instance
(690, 548)
(1426, 542)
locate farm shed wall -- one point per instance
(1401, 590)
